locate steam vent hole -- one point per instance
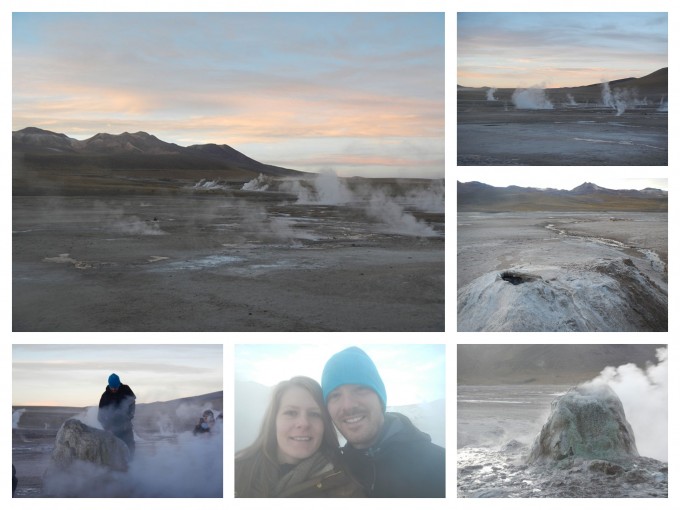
(517, 278)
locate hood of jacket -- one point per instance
(397, 429)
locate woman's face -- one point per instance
(299, 426)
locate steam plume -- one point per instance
(644, 395)
(531, 99)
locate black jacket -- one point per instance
(404, 463)
(117, 409)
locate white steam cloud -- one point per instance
(490, 94)
(328, 189)
(613, 100)
(184, 466)
(663, 105)
(16, 416)
(644, 395)
(531, 99)
(397, 220)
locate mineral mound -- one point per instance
(588, 422)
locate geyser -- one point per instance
(588, 422)
(531, 99)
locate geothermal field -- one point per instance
(562, 271)
(169, 460)
(544, 259)
(203, 254)
(619, 124)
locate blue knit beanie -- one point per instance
(114, 381)
(352, 366)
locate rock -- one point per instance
(511, 446)
(77, 441)
(608, 468)
(587, 422)
(85, 462)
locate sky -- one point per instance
(77, 375)
(413, 374)
(357, 93)
(540, 178)
(558, 49)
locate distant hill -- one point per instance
(44, 159)
(653, 86)
(477, 196)
(489, 364)
(176, 415)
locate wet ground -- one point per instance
(496, 427)
(495, 133)
(569, 264)
(217, 262)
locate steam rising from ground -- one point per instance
(531, 99)
(490, 94)
(184, 466)
(621, 100)
(615, 100)
(328, 189)
(644, 395)
(16, 416)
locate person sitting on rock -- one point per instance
(206, 423)
(116, 411)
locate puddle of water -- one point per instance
(208, 262)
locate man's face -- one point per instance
(357, 413)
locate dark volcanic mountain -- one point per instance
(42, 158)
(545, 364)
(477, 196)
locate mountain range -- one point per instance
(42, 158)
(477, 196)
(654, 86)
(545, 364)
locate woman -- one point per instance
(296, 453)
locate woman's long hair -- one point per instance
(257, 466)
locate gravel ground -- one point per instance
(490, 135)
(205, 262)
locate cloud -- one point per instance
(230, 77)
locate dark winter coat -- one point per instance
(314, 477)
(117, 409)
(330, 483)
(404, 463)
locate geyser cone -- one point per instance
(587, 422)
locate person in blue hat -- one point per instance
(385, 452)
(116, 411)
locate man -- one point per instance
(385, 452)
(116, 411)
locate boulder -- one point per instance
(588, 422)
(77, 441)
(85, 462)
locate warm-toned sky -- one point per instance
(524, 49)
(76, 375)
(359, 93)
